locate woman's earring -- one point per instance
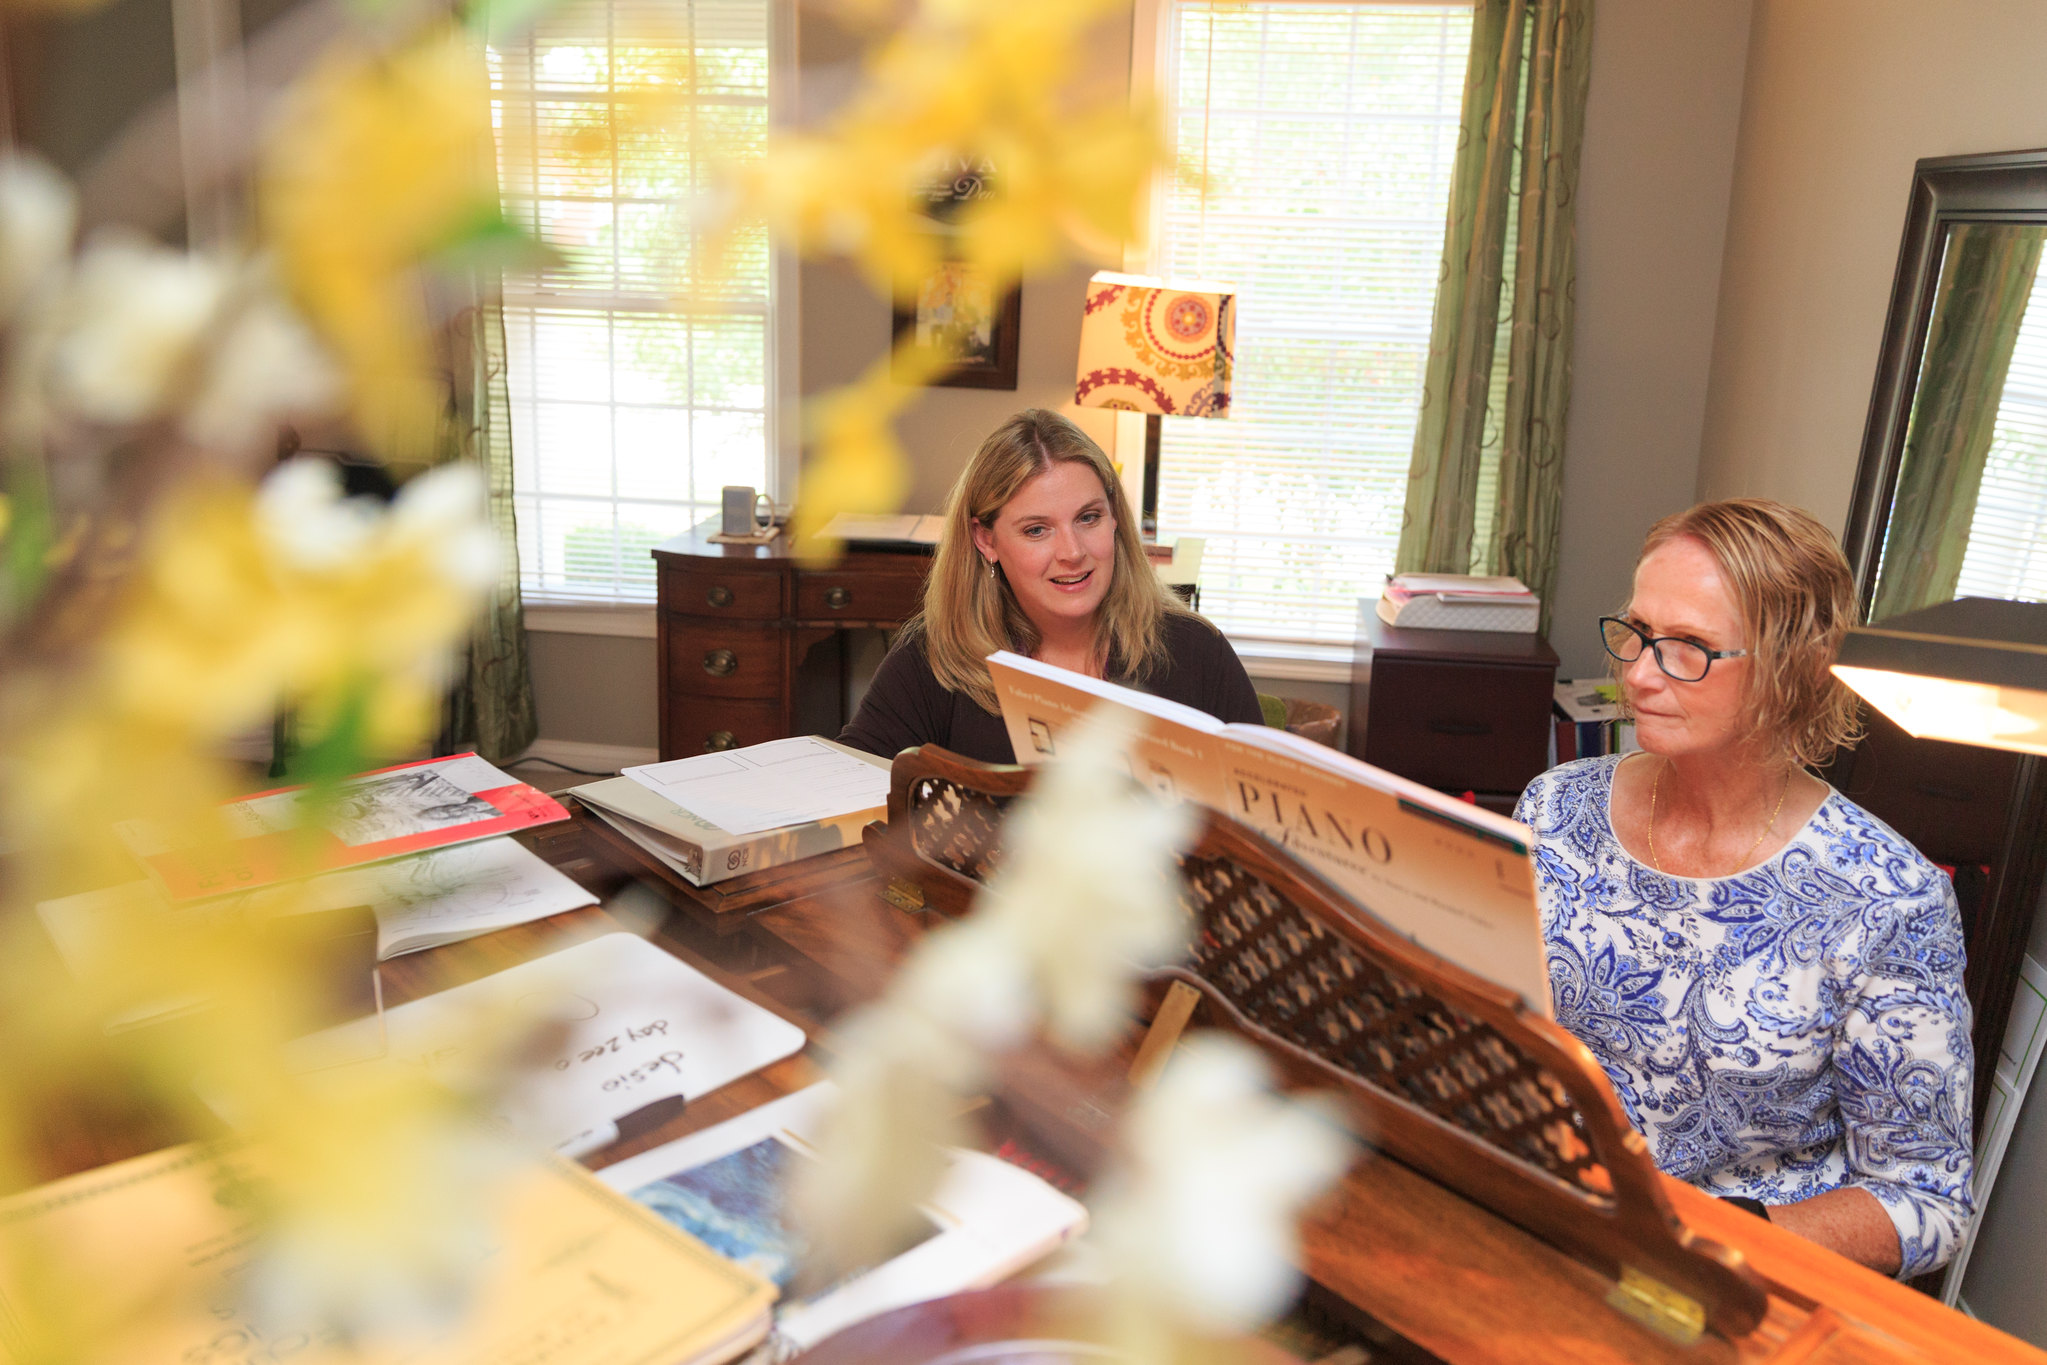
(991, 568)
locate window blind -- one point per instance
(637, 369)
(1322, 138)
(2007, 554)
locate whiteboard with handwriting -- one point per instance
(624, 1025)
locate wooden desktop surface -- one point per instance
(1443, 1272)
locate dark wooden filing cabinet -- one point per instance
(1460, 710)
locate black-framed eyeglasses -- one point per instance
(1684, 660)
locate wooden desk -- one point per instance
(736, 623)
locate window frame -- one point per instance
(551, 611)
(1150, 73)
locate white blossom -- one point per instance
(445, 508)
(1089, 889)
(265, 368)
(307, 521)
(1198, 1221)
(38, 215)
(129, 327)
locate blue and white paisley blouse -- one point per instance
(1778, 1033)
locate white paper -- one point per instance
(924, 530)
(768, 786)
(456, 893)
(420, 901)
(637, 1025)
(991, 1219)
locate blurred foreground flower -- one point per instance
(962, 83)
(240, 601)
(1197, 1220)
(1083, 905)
(381, 163)
(1197, 1212)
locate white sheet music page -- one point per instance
(768, 786)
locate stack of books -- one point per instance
(719, 815)
(1447, 601)
(1589, 722)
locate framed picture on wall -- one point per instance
(956, 311)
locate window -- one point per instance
(638, 388)
(1327, 134)
(2007, 556)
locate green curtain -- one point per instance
(1513, 195)
(1985, 280)
(490, 706)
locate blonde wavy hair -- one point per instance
(1797, 601)
(969, 613)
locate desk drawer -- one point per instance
(828, 594)
(1461, 727)
(723, 659)
(698, 725)
(708, 588)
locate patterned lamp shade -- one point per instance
(1150, 346)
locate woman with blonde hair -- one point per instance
(1770, 975)
(1040, 555)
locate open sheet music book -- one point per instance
(986, 1221)
(1453, 877)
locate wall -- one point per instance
(1661, 124)
(1843, 97)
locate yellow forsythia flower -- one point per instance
(379, 161)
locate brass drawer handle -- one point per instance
(838, 598)
(719, 596)
(720, 739)
(721, 663)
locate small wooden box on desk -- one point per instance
(1459, 710)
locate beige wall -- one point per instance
(1661, 123)
(1843, 97)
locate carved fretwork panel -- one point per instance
(956, 826)
(1295, 978)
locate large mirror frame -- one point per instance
(1980, 802)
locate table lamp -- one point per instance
(1973, 671)
(1159, 348)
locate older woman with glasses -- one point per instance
(1770, 976)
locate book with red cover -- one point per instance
(389, 813)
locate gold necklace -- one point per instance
(1657, 781)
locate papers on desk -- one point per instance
(419, 902)
(987, 1219)
(637, 1026)
(389, 813)
(903, 529)
(572, 1275)
(769, 786)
